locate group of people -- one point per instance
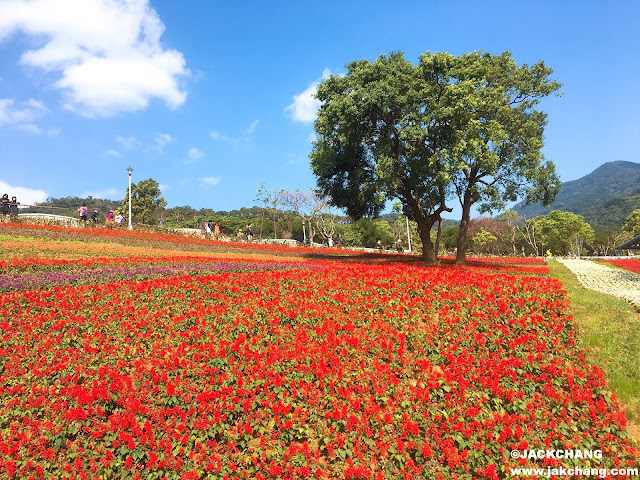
(399, 246)
(210, 229)
(213, 230)
(9, 207)
(113, 218)
(329, 242)
(248, 233)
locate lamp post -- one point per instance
(408, 234)
(130, 170)
(304, 234)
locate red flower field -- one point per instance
(325, 368)
(630, 264)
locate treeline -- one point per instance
(68, 206)
(288, 224)
(304, 215)
(558, 233)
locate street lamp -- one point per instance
(130, 170)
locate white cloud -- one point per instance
(163, 187)
(36, 104)
(26, 196)
(210, 180)
(252, 127)
(160, 140)
(112, 153)
(107, 53)
(127, 143)
(109, 193)
(24, 113)
(30, 128)
(219, 136)
(305, 106)
(223, 137)
(194, 154)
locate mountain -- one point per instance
(606, 196)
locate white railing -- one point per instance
(73, 222)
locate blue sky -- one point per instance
(212, 98)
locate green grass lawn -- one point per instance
(609, 328)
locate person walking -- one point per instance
(249, 232)
(94, 217)
(83, 211)
(216, 230)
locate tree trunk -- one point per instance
(439, 236)
(275, 234)
(461, 254)
(262, 222)
(424, 230)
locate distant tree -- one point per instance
(562, 233)
(450, 237)
(483, 241)
(68, 206)
(632, 223)
(182, 215)
(147, 202)
(314, 210)
(511, 220)
(373, 230)
(271, 199)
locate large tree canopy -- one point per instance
(146, 201)
(450, 126)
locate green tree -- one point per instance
(483, 240)
(563, 232)
(147, 202)
(632, 223)
(450, 237)
(450, 126)
(370, 231)
(371, 145)
(498, 157)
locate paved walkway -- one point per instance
(614, 281)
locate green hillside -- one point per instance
(606, 196)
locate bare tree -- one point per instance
(309, 206)
(326, 225)
(530, 235)
(613, 241)
(270, 199)
(512, 220)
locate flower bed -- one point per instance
(138, 238)
(352, 371)
(631, 264)
(83, 276)
(619, 283)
